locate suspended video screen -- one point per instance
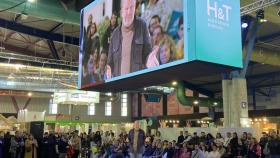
(142, 43)
(124, 38)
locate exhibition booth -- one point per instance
(8, 124)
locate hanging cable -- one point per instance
(12, 7)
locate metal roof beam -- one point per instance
(51, 43)
(23, 51)
(270, 37)
(209, 83)
(250, 47)
(265, 85)
(267, 75)
(56, 27)
(53, 49)
(258, 76)
(38, 33)
(260, 4)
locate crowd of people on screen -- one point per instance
(97, 55)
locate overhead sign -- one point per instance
(218, 32)
(75, 97)
(30, 116)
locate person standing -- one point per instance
(227, 140)
(62, 147)
(202, 138)
(97, 137)
(219, 139)
(130, 48)
(188, 137)
(181, 138)
(87, 29)
(254, 149)
(44, 146)
(1, 144)
(195, 139)
(92, 46)
(16, 145)
(7, 145)
(235, 145)
(274, 146)
(108, 34)
(76, 143)
(263, 142)
(30, 147)
(136, 139)
(157, 136)
(56, 141)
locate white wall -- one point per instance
(35, 104)
(82, 111)
(42, 104)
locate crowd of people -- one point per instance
(137, 144)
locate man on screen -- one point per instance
(130, 48)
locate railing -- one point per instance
(12, 56)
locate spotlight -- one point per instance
(18, 66)
(195, 102)
(245, 21)
(174, 83)
(31, 1)
(260, 16)
(215, 103)
(263, 20)
(244, 25)
(29, 94)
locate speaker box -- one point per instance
(37, 129)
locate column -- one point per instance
(235, 103)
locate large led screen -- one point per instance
(132, 40)
(124, 38)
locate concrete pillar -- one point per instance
(235, 103)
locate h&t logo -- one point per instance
(221, 11)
